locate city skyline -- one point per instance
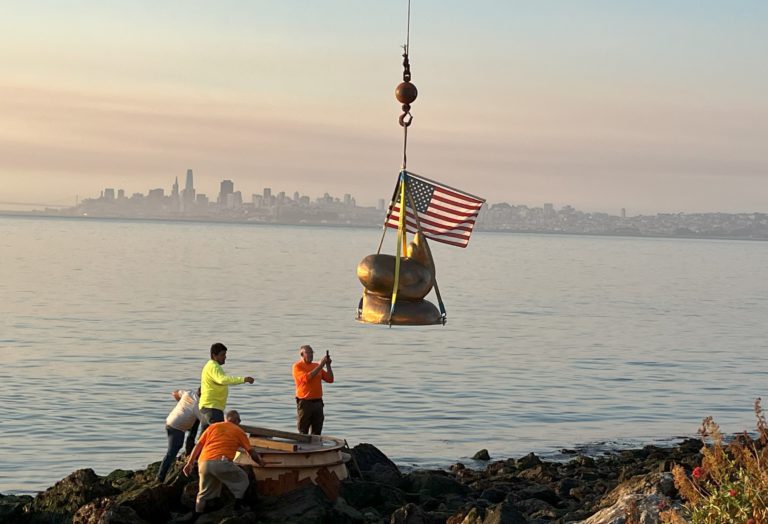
(654, 107)
(189, 195)
(270, 206)
(189, 182)
(282, 208)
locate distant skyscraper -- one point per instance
(188, 194)
(189, 186)
(227, 188)
(233, 200)
(175, 199)
(155, 197)
(109, 194)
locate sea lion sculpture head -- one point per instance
(418, 251)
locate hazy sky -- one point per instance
(655, 106)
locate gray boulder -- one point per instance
(106, 511)
(374, 465)
(410, 514)
(59, 503)
(502, 513)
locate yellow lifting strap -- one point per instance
(401, 245)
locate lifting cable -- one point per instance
(406, 94)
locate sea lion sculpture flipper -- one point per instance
(377, 274)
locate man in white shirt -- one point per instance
(184, 417)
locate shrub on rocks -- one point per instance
(730, 486)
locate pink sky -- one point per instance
(651, 109)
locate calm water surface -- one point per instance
(552, 341)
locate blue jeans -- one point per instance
(175, 441)
(191, 436)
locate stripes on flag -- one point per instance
(445, 214)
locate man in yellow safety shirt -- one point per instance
(214, 386)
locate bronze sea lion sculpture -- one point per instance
(417, 276)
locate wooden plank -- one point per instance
(329, 482)
(264, 432)
(273, 444)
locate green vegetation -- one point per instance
(731, 484)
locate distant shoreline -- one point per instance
(201, 220)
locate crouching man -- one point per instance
(215, 452)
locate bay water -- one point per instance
(552, 341)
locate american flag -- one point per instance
(445, 214)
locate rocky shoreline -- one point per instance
(629, 486)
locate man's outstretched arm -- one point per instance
(193, 458)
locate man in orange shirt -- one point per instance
(308, 377)
(216, 450)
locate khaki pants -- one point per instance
(309, 416)
(214, 473)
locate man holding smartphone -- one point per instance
(308, 377)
